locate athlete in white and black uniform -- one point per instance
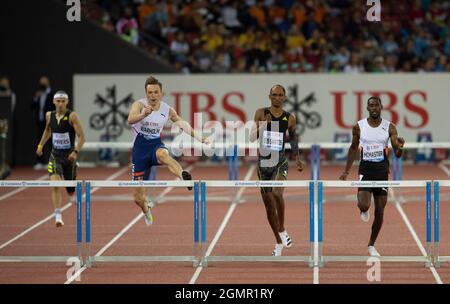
(372, 135)
(147, 118)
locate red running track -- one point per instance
(246, 233)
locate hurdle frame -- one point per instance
(90, 259)
(50, 184)
(438, 259)
(205, 260)
(427, 260)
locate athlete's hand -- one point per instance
(72, 156)
(148, 110)
(343, 176)
(206, 141)
(400, 142)
(300, 164)
(39, 151)
(268, 117)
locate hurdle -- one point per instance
(438, 259)
(375, 184)
(205, 260)
(154, 184)
(48, 184)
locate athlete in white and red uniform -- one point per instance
(147, 118)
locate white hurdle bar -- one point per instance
(150, 184)
(438, 258)
(49, 184)
(376, 184)
(235, 184)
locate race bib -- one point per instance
(373, 152)
(61, 140)
(272, 141)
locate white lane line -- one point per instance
(225, 220)
(122, 232)
(414, 234)
(113, 176)
(15, 191)
(444, 168)
(33, 227)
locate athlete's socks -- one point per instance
(58, 211)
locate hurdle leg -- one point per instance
(79, 223)
(437, 262)
(204, 262)
(197, 256)
(88, 225)
(429, 262)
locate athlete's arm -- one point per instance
(293, 139)
(76, 123)
(184, 125)
(259, 125)
(45, 135)
(135, 114)
(396, 141)
(352, 151)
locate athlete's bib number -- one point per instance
(272, 141)
(61, 140)
(373, 152)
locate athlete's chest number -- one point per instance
(272, 140)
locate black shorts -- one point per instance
(273, 173)
(60, 164)
(375, 176)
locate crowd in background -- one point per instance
(330, 36)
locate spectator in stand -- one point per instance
(354, 66)
(127, 26)
(409, 36)
(180, 48)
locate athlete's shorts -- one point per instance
(60, 164)
(375, 176)
(272, 173)
(143, 156)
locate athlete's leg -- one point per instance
(279, 200)
(56, 192)
(140, 195)
(271, 211)
(280, 174)
(364, 200)
(164, 158)
(70, 173)
(380, 203)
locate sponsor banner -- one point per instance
(323, 104)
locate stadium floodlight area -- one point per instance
(49, 184)
(426, 259)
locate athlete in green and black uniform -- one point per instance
(62, 125)
(272, 123)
